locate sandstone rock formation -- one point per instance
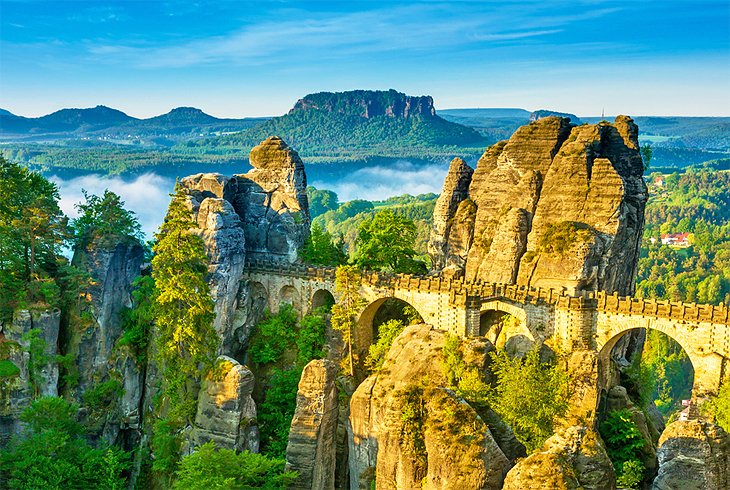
(261, 214)
(456, 190)
(312, 439)
(226, 412)
(369, 103)
(571, 460)
(112, 263)
(693, 455)
(457, 448)
(557, 205)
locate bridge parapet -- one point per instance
(691, 312)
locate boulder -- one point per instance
(693, 455)
(226, 412)
(312, 438)
(570, 460)
(456, 448)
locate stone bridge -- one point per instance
(591, 321)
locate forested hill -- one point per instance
(359, 124)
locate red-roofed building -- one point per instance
(677, 239)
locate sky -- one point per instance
(243, 59)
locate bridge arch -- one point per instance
(322, 298)
(607, 372)
(507, 326)
(289, 295)
(366, 332)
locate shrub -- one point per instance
(8, 369)
(631, 474)
(311, 338)
(273, 335)
(103, 394)
(277, 410)
(387, 332)
(559, 238)
(208, 468)
(529, 395)
(624, 441)
(719, 407)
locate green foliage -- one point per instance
(321, 201)
(387, 332)
(38, 357)
(273, 335)
(347, 282)
(208, 468)
(320, 249)
(463, 378)
(646, 154)
(529, 395)
(53, 453)
(103, 394)
(137, 321)
(671, 370)
(104, 216)
(8, 369)
(413, 417)
(386, 243)
(165, 445)
(630, 474)
(624, 445)
(275, 414)
(560, 238)
(719, 407)
(311, 337)
(32, 231)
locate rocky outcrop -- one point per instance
(312, 439)
(226, 412)
(693, 455)
(571, 460)
(444, 443)
(112, 263)
(261, 214)
(557, 205)
(455, 190)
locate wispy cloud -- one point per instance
(337, 35)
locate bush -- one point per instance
(208, 468)
(276, 412)
(624, 441)
(529, 396)
(273, 335)
(8, 369)
(719, 407)
(311, 338)
(387, 332)
(54, 454)
(103, 394)
(559, 238)
(631, 474)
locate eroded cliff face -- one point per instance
(112, 264)
(443, 444)
(557, 205)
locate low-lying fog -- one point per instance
(148, 194)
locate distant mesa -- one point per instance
(368, 104)
(4, 112)
(547, 113)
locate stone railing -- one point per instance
(463, 292)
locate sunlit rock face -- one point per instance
(693, 455)
(570, 460)
(312, 447)
(226, 412)
(556, 205)
(457, 449)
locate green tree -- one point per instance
(210, 468)
(646, 153)
(529, 395)
(53, 453)
(104, 216)
(320, 249)
(186, 341)
(387, 332)
(347, 282)
(386, 243)
(321, 201)
(719, 407)
(624, 445)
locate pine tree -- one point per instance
(183, 308)
(347, 282)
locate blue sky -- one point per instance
(236, 59)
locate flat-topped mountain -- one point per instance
(362, 123)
